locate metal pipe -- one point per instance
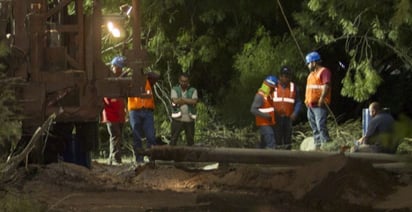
(258, 156)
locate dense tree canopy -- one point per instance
(229, 47)
(374, 37)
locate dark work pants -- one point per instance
(178, 127)
(115, 133)
(283, 132)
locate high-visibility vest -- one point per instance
(267, 107)
(314, 88)
(136, 103)
(284, 99)
(176, 113)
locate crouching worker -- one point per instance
(379, 136)
(262, 108)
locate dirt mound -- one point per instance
(336, 183)
(350, 184)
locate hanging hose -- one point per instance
(290, 29)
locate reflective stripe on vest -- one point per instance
(267, 110)
(284, 99)
(314, 88)
(176, 115)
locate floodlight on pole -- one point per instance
(113, 29)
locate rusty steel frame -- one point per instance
(74, 72)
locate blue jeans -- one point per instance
(317, 117)
(267, 137)
(142, 123)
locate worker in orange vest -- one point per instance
(141, 109)
(317, 98)
(262, 108)
(287, 106)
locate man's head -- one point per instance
(117, 63)
(184, 80)
(312, 59)
(374, 109)
(285, 75)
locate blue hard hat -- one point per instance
(311, 57)
(271, 81)
(118, 61)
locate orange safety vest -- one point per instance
(136, 103)
(267, 107)
(284, 99)
(314, 88)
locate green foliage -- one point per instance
(402, 14)
(10, 129)
(315, 5)
(348, 27)
(228, 47)
(371, 32)
(404, 134)
(360, 81)
(257, 59)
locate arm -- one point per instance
(254, 109)
(325, 77)
(325, 90)
(106, 101)
(297, 106)
(372, 126)
(182, 100)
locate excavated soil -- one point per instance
(337, 183)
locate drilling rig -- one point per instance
(55, 52)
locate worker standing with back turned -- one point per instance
(318, 98)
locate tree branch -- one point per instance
(8, 170)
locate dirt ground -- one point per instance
(337, 183)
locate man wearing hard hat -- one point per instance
(262, 108)
(317, 98)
